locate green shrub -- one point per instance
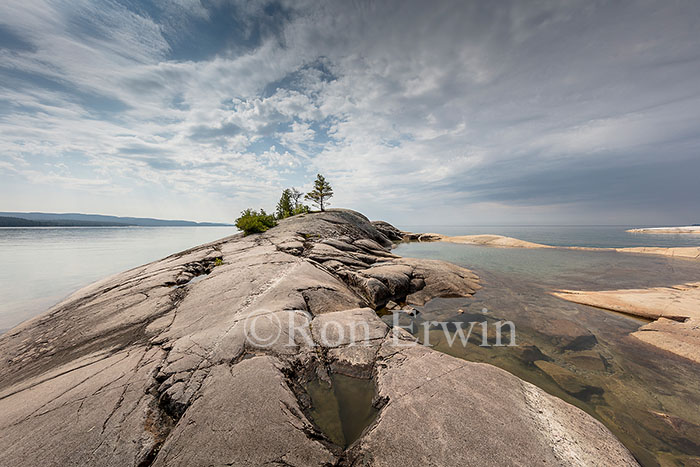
(301, 209)
(255, 222)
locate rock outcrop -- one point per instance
(465, 413)
(683, 252)
(492, 240)
(201, 359)
(687, 229)
(675, 311)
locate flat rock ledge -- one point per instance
(499, 241)
(675, 311)
(201, 359)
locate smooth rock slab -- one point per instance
(445, 411)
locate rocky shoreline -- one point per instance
(155, 366)
(675, 312)
(499, 241)
(688, 229)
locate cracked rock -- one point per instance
(150, 367)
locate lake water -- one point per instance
(648, 398)
(40, 266)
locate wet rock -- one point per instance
(676, 311)
(588, 359)
(685, 434)
(566, 334)
(568, 380)
(531, 353)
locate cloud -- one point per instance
(409, 109)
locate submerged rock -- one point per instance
(676, 311)
(152, 367)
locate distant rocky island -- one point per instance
(693, 229)
(42, 219)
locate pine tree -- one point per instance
(321, 193)
(285, 206)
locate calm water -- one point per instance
(343, 409)
(648, 398)
(40, 266)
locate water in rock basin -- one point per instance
(342, 409)
(648, 398)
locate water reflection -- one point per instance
(342, 408)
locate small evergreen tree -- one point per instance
(285, 206)
(321, 193)
(255, 222)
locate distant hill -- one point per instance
(43, 219)
(19, 222)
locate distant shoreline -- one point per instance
(688, 229)
(40, 219)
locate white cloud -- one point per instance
(402, 105)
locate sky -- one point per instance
(417, 112)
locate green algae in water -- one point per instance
(343, 409)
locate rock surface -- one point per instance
(465, 413)
(676, 311)
(151, 367)
(493, 240)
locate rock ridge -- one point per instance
(156, 365)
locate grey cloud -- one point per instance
(14, 41)
(208, 133)
(587, 105)
(141, 149)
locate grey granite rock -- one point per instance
(440, 410)
(150, 367)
